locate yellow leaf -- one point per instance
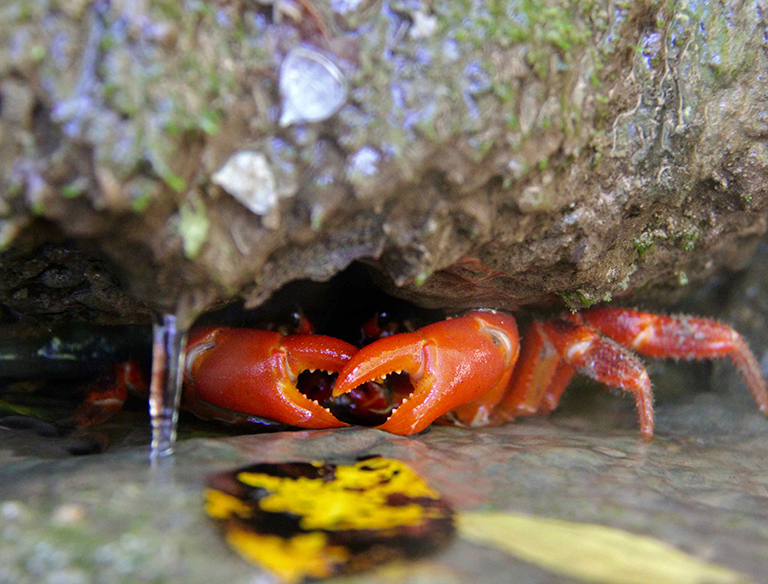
(303, 521)
(355, 499)
(591, 553)
(306, 555)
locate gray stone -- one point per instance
(551, 153)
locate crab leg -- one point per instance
(539, 379)
(681, 337)
(107, 395)
(551, 397)
(601, 359)
(254, 372)
(553, 351)
(449, 363)
(532, 376)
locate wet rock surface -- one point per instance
(474, 155)
(701, 485)
(698, 486)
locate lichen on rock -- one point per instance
(472, 154)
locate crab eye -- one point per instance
(500, 339)
(193, 353)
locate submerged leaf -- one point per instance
(591, 553)
(304, 520)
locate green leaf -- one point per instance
(193, 226)
(591, 553)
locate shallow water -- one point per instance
(701, 485)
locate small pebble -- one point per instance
(68, 514)
(10, 510)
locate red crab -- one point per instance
(471, 370)
(231, 372)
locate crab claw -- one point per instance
(234, 373)
(449, 364)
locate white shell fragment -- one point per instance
(248, 177)
(365, 161)
(424, 25)
(312, 87)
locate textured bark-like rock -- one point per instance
(475, 155)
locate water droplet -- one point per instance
(345, 6)
(168, 354)
(424, 25)
(365, 161)
(476, 79)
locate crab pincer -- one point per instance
(460, 365)
(233, 373)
